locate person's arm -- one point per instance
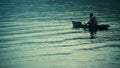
(90, 20)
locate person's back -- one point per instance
(92, 20)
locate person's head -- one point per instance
(91, 14)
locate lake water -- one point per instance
(39, 34)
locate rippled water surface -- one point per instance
(39, 34)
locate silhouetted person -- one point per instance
(92, 25)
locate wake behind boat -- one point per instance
(81, 25)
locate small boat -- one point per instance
(80, 25)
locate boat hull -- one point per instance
(80, 25)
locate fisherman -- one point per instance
(92, 23)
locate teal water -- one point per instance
(39, 34)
